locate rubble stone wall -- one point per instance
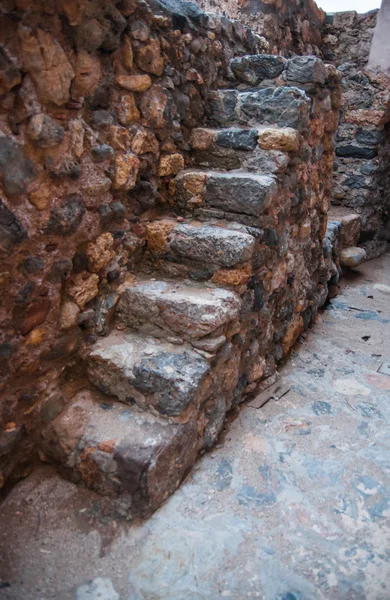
(98, 107)
(362, 150)
(289, 26)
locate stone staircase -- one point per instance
(212, 308)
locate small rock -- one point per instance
(17, 170)
(286, 139)
(170, 164)
(153, 106)
(352, 257)
(84, 288)
(102, 153)
(128, 112)
(139, 31)
(305, 69)
(11, 230)
(100, 252)
(44, 131)
(149, 58)
(144, 141)
(127, 53)
(68, 316)
(126, 171)
(134, 83)
(101, 118)
(9, 436)
(33, 265)
(66, 218)
(257, 67)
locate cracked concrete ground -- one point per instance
(294, 505)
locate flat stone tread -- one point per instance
(127, 349)
(114, 420)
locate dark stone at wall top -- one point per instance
(256, 68)
(184, 14)
(305, 69)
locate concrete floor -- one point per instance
(295, 505)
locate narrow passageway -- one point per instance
(293, 504)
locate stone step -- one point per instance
(283, 106)
(135, 457)
(252, 69)
(180, 310)
(350, 225)
(201, 243)
(234, 195)
(164, 378)
(264, 150)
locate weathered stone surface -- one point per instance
(202, 139)
(100, 252)
(170, 164)
(283, 106)
(126, 171)
(351, 151)
(97, 589)
(223, 106)
(69, 314)
(238, 139)
(208, 244)
(87, 74)
(46, 62)
(44, 131)
(351, 225)
(144, 141)
(84, 288)
(286, 139)
(9, 437)
(352, 257)
(239, 192)
(159, 375)
(11, 230)
(128, 112)
(66, 218)
(255, 68)
(191, 311)
(16, 170)
(154, 107)
(305, 69)
(124, 453)
(149, 59)
(10, 76)
(134, 83)
(102, 152)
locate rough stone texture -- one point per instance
(289, 26)
(89, 169)
(189, 311)
(136, 368)
(254, 69)
(98, 588)
(362, 143)
(295, 484)
(121, 453)
(352, 257)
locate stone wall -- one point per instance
(289, 26)
(362, 159)
(102, 108)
